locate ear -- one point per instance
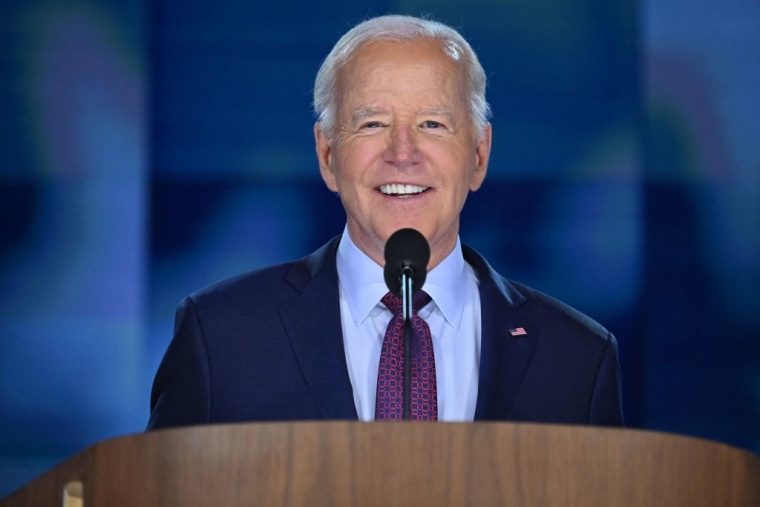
(482, 154)
(324, 157)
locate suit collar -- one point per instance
(312, 322)
(505, 351)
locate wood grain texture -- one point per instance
(418, 464)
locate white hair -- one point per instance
(399, 28)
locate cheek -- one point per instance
(354, 163)
(364, 147)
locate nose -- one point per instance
(402, 146)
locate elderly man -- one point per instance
(403, 137)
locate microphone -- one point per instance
(406, 258)
(406, 253)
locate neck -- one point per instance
(439, 249)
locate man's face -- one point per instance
(406, 153)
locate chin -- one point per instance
(416, 227)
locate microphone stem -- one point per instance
(406, 294)
(406, 300)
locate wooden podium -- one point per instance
(409, 464)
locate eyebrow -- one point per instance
(368, 112)
(440, 112)
(365, 112)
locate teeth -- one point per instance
(401, 190)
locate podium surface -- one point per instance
(417, 464)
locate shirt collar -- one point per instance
(363, 285)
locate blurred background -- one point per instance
(151, 148)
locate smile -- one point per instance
(401, 190)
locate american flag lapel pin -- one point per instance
(517, 331)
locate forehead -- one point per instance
(408, 70)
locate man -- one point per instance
(403, 137)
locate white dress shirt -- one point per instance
(453, 317)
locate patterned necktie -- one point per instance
(390, 378)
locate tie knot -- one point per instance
(393, 302)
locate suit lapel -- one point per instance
(313, 324)
(507, 342)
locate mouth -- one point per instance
(402, 191)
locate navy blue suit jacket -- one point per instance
(268, 346)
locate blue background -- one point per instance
(151, 148)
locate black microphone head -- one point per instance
(406, 249)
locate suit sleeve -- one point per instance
(181, 389)
(606, 402)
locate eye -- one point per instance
(432, 124)
(372, 125)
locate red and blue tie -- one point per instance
(389, 405)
